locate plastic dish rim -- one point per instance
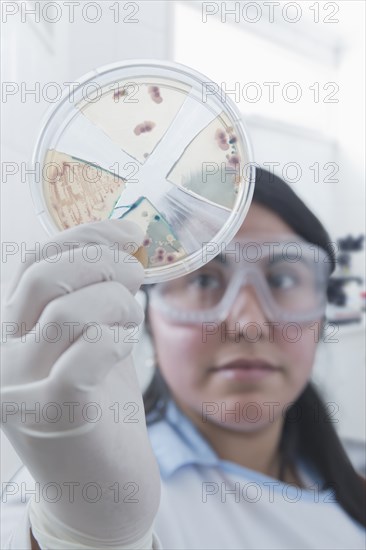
(225, 235)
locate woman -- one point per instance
(247, 453)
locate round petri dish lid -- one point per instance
(153, 142)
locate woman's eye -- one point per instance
(206, 281)
(283, 281)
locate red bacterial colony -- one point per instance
(119, 93)
(154, 92)
(221, 139)
(225, 140)
(146, 126)
(233, 160)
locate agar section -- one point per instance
(136, 114)
(78, 192)
(161, 243)
(210, 165)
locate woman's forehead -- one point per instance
(262, 221)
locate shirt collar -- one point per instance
(177, 442)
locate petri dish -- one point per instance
(154, 142)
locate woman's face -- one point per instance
(191, 360)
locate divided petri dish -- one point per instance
(153, 142)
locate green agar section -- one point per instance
(161, 243)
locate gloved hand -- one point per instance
(86, 441)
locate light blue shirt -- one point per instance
(210, 503)
(178, 443)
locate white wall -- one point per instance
(230, 50)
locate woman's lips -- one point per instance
(245, 369)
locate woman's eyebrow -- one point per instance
(280, 258)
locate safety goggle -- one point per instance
(289, 276)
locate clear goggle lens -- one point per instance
(290, 284)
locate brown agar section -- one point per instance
(142, 256)
(78, 192)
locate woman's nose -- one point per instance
(246, 308)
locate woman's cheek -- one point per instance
(298, 346)
(180, 350)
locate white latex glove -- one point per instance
(89, 427)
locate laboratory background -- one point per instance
(296, 71)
